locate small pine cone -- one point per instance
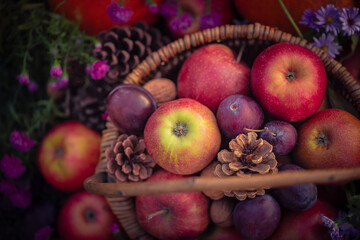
(127, 160)
(248, 156)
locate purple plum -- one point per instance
(282, 135)
(257, 218)
(297, 197)
(129, 106)
(237, 112)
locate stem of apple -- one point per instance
(160, 212)
(261, 130)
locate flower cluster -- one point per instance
(180, 20)
(340, 229)
(171, 10)
(331, 25)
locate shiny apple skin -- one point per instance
(288, 81)
(183, 154)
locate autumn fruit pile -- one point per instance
(222, 118)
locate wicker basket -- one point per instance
(256, 37)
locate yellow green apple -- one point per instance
(182, 136)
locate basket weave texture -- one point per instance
(256, 37)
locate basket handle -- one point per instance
(96, 184)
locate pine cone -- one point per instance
(248, 156)
(127, 160)
(89, 105)
(124, 47)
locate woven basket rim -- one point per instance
(124, 208)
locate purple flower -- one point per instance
(210, 20)
(328, 18)
(99, 69)
(19, 196)
(350, 20)
(333, 229)
(56, 71)
(119, 14)
(53, 85)
(347, 230)
(21, 141)
(33, 86)
(326, 43)
(88, 69)
(43, 233)
(168, 10)
(153, 7)
(115, 228)
(7, 187)
(62, 82)
(23, 78)
(181, 23)
(11, 166)
(308, 19)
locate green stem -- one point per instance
(290, 18)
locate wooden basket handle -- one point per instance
(96, 184)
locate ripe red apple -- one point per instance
(329, 139)
(182, 136)
(68, 154)
(305, 225)
(85, 216)
(211, 74)
(289, 81)
(352, 64)
(92, 17)
(174, 215)
(197, 8)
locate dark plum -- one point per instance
(297, 197)
(282, 136)
(129, 106)
(237, 112)
(257, 218)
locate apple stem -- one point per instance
(241, 51)
(261, 130)
(160, 212)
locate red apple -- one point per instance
(182, 136)
(305, 225)
(85, 216)
(329, 139)
(198, 8)
(289, 81)
(174, 215)
(68, 154)
(211, 74)
(92, 16)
